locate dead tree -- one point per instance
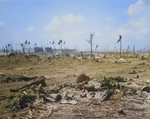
(90, 41)
(120, 37)
(127, 51)
(134, 49)
(6, 49)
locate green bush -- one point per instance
(111, 83)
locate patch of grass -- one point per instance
(95, 60)
(7, 78)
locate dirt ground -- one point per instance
(66, 69)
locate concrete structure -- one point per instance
(38, 49)
(48, 49)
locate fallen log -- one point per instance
(36, 107)
(145, 88)
(41, 80)
(132, 85)
(89, 87)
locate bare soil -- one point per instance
(66, 69)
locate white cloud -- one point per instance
(69, 18)
(138, 24)
(108, 18)
(136, 9)
(1, 23)
(64, 19)
(31, 28)
(67, 27)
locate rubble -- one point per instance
(38, 101)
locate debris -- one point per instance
(41, 80)
(89, 87)
(50, 99)
(133, 72)
(63, 95)
(101, 95)
(36, 107)
(73, 102)
(50, 111)
(56, 97)
(145, 88)
(148, 81)
(63, 101)
(122, 112)
(96, 84)
(90, 94)
(29, 111)
(69, 96)
(131, 85)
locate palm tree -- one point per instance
(28, 48)
(54, 45)
(120, 37)
(96, 47)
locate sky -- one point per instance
(72, 21)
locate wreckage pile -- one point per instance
(36, 100)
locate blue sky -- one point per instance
(42, 21)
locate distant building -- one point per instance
(69, 50)
(48, 49)
(38, 49)
(64, 50)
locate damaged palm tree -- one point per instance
(120, 37)
(6, 49)
(90, 42)
(60, 42)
